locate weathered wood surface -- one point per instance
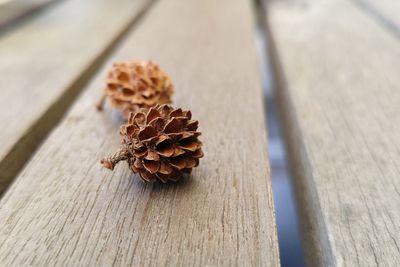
(385, 11)
(48, 59)
(12, 10)
(65, 209)
(339, 82)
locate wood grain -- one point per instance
(65, 209)
(11, 11)
(384, 11)
(339, 92)
(43, 65)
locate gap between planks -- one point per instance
(286, 207)
(314, 235)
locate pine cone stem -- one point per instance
(111, 161)
(100, 103)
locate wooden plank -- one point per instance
(385, 11)
(43, 65)
(65, 209)
(339, 93)
(12, 10)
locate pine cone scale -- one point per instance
(165, 168)
(197, 154)
(152, 155)
(178, 151)
(151, 166)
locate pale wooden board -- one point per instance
(386, 10)
(47, 59)
(339, 91)
(65, 209)
(12, 10)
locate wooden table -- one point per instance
(336, 64)
(63, 208)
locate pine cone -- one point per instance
(135, 85)
(159, 143)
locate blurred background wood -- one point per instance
(65, 209)
(338, 71)
(13, 10)
(385, 11)
(43, 66)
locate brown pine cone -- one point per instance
(136, 84)
(159, 143)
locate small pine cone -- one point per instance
(159, 143)
(136, 84)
